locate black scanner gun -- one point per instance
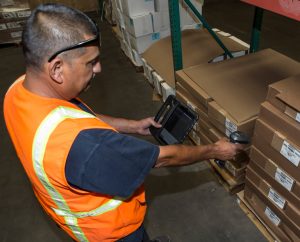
(236, 137)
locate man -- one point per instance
(86, 174)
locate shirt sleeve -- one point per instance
(107, 162)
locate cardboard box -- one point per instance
(11, 35)
(282, 123)
(239, 85)
(14, 13)
(191, 100)
(284, 95)
(269, 217)
(14, 4)
(193, 53)
(166, 91)
(196, 92)
(139, 25)
(137, 7)
(277, 147)
(227, 123)
(157, 81)
(276, 176)
(260, 186)
(142, 43)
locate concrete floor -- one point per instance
(186, 203)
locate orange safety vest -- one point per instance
(43, 131)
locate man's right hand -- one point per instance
(226, 150)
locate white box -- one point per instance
(161, 5)
(119, 5)
(120, 18)
(137, 7)
(142, 43)
(136, 58)
(148, 73)
(166, 91)
(157, 81)
(139, 25)
(156, 21)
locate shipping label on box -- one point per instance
(283, 208)
(3, 27)
(272, 216)
(275, 176)
(276, 198)
(282, 231)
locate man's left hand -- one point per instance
(142, 126)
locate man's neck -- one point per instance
(37, 83)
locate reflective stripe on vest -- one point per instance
(48, 125)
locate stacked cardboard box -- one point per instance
(227, 96)
(193, 53)
(273, 178)
(143, 22)
(13, 15)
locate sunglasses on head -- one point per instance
(75, 46)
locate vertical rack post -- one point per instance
(175, 34)
(256, 29)
(207, 26)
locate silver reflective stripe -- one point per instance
(48, 125)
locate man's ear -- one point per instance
(55, 69)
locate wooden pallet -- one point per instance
(228, 181)
(261, 226)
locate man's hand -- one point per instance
(226, 150)
(142, 126)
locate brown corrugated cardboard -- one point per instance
(239, 85)
(226, 123)
(272, 220)
(277, 177)
(287, 126)
(286, 220)
(195, 91)
(198, 47)
(277, 147)
(259, 185)
(191, 98)
(284, 95)
(11, 35)
(14, 4)
(194, 106)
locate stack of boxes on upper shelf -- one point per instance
(227, 96)
(143, 22)
(273, 177)
(13, 15)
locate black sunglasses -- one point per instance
(75, 46)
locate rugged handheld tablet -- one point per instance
(177, 121)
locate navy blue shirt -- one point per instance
(107, 162)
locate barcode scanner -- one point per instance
(236, 137)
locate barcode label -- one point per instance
(191, 106)
(290, 152)
(298, 117)
(230, 126)
(14, 25)
(272, 216)
(276, 198)
(2, 26)
(8, 15)
(16, 34)
(284, 179)
(24, 14)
